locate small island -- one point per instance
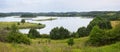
(48, 19)
(28, 15)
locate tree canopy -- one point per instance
(59, 33)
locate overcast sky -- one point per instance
(58, 5)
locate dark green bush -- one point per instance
(23, 21)
(100, 37)
(70, 42)
(82, 32)
(17, 37)
(33, 33)
(96, 36)
(101, 22)
(59, 33)
(74, 35)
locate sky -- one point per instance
(58, 5)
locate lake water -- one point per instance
(70, 23)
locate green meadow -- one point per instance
(21, 25)
(42, 45)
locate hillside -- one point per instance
(47, 45)
(41, 45)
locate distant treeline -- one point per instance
(63, 14)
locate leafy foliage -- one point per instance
(23, 21)
(101, 22)
(70, 42)
(17, 37)
(82, 32)
(59, 33)
(96, 36)
(102, 37)
(75, 35)
(33, 33)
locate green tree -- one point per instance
(17, 37)
(82, 32)
(96, 36)
(101, 22)
(23, 21)
(70, 42)
(59, 33)
(33, 33)
(75, 35)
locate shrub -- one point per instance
(23, 21)
(59, 33)
(70, 42)
(17, 37)
(101, 22)
(96, 36)
(39, 24)
(33, 33)
(82, 32)
(18, 23)
(75, 35)
(102, 37)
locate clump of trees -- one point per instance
(33, 33)
(82, 31)
(100, 37)
(74, 35)
(17, 37)
(96, 36)
(70, 42)
(23, 21)
(101, 22)
(59, 33)
(28, 15)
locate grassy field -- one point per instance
(114, 23)
(22, 25)
(41, 45)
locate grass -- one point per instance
(57, 46)
(114, 23)
(22, 25)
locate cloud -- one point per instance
(57, 5)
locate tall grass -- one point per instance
(57, 46)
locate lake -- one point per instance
(70, 23)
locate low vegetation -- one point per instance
(33, 33)
(82, 31)
(101, 22)
(15, 37)
(59, 33)
(7, 25)
(42, 45)
(23, 21)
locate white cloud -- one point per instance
(57, 5)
